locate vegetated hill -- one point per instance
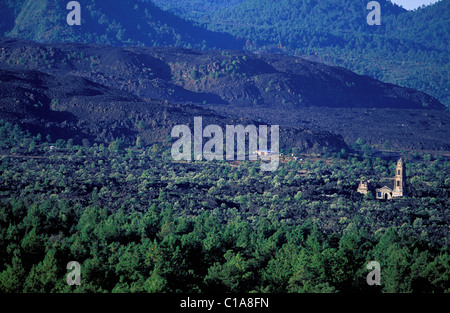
(409, 48)
(114, 22)
(274, 88)
(195, 9)
(74, 107)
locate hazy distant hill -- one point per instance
(410, 48)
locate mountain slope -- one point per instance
(409, 49)
(124, 22)
(72, 107)
(228, 78)
(277, 89)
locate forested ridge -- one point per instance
(138, 222)
(409, 48)
(119, 23)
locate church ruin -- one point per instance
(386, 192)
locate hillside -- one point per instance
(276, 89)
(124, 22)
(229, 77)
(409, 49)
(71, 107)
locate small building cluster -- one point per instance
(265, 152)
(396, 190)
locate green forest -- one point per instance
(137, 221)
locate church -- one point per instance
(386, 192)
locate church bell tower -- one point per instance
(400, 180)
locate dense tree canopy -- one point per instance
(139, 222)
